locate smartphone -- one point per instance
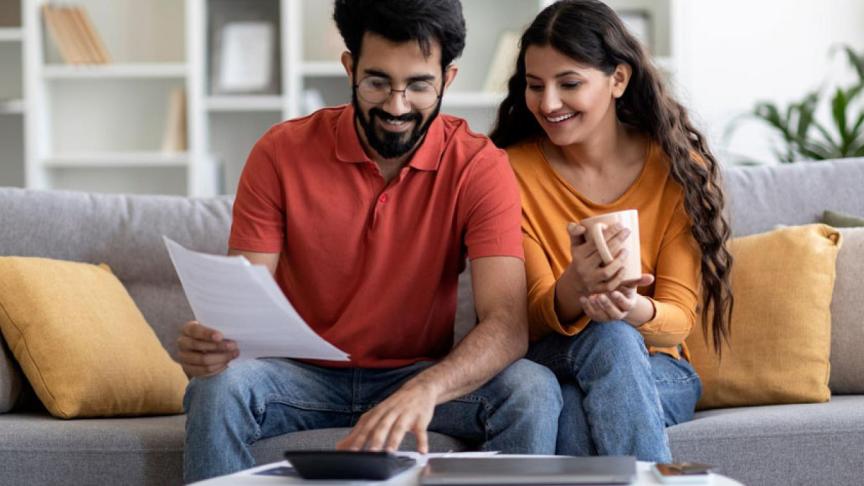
(683, 473)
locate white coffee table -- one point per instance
(411, 477)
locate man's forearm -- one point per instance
(483, 353)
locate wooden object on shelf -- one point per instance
(58, 32)
(503, 63)
(98, 52)
(74, 35)
(174, 139)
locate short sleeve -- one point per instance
(258, 215)
(491, 208)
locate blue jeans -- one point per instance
(515, 412)
(618, 400)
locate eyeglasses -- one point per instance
(377, 90)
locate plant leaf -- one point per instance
(826, 136)
(839, 102)
(856, 61)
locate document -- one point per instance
(244, 303)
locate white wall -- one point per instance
(733, 53)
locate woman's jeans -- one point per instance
(516, 411)
(618, 400)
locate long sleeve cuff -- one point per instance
(543, 318)
(669, 327)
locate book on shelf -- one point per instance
(91, 36)
(174, 139)
(503, 63)
(74, 35)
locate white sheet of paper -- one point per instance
(244, 303)
(422, 459)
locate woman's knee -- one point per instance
(531, 382)
(618, 335)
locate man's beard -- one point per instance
(393, 144)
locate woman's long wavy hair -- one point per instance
(591, 33)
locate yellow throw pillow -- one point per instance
(82, 342)
(783, 281)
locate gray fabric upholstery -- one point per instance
(10, 379)
(790, 444)
(807, 444)
(764, 196)
(466, 317)
(123, 231)
(847, 316)
(39, 449)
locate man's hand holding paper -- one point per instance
(204, 351)
(240, 312)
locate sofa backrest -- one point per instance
(123, 231)
(126, 231)
(761, 197)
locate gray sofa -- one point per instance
(788, 444)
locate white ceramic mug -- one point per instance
(628, 219)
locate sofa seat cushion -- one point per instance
(38, 449)
(813, 443)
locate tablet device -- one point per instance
(527, 470)
(331, 464)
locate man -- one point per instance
(364, 214)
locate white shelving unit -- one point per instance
(118, 159)
(116, 71)
(11, 34)
(99, 128)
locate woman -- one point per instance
(591, 129)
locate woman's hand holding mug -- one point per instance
(604, 271)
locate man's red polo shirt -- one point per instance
(373, 267)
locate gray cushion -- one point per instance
(39, 449)
(847, 316)
(11, 379)
(841, 220)
(805, 444)
(762, 197)
(466, 317)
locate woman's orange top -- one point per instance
(669, 251)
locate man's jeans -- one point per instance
(515, 412)
(617, 399)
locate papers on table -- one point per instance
(244, 303)
(422, 459)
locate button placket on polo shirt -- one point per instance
(385, 197)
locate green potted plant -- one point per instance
(802, 135)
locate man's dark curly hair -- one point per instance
(403, 20)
